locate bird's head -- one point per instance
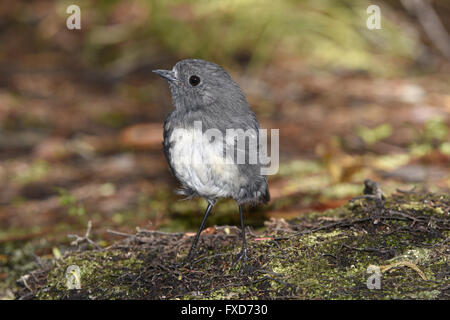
(196, 83)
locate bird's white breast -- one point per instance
(201, 164)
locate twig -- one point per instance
(139, 231)
(403, 264)
(345, 223)
(375, 250)
(372, 191)
(120, 233)
(85, 238)
(211, 257)
(431, 23)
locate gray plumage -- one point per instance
(218, 102)
(203, 92)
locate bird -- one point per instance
(207, 99)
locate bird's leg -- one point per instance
(244, 243)
(243, 254)
(197, 236)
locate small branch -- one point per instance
(403, 264)
(372, 191)
(431, 24)
(120, 233)
(85, 238)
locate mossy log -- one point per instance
(360, 251)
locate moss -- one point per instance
(327, 259)
(101, 276)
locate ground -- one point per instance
(328, 255)
(81, 119)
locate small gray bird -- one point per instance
(204, 93)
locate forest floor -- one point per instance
(64, 163)
(393, 248)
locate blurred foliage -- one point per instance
(33, 172)
(371, 136)
(435, 130)
(70, 202)
(246, 32)
(435, 135)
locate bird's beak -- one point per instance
(166, 74)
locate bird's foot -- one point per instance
(185, 262)
(242, 257)
(177, 264)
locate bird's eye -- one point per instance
(194, 80)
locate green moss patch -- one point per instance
(328, 255)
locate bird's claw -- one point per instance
(185, 262)
(177, 265)
(242, 257)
